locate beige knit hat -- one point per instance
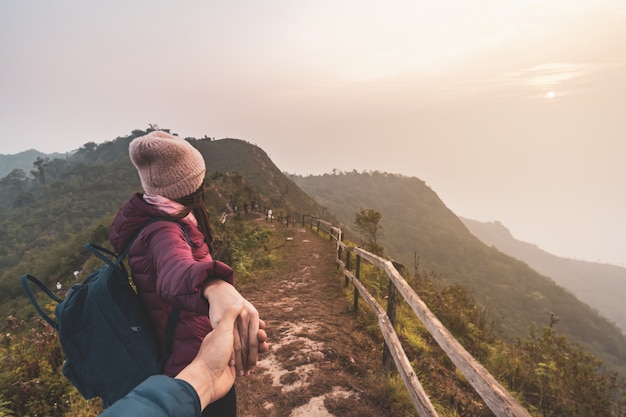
(167, 165)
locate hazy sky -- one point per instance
(510, 110)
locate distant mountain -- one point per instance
(24, 160)
(601, 286)
(417, 226)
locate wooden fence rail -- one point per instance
(498, 399)
(403, 364)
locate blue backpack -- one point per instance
(106, 334)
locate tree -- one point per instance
(367, 223)
(13, 185)
(15, 181)
(41, 164)
(87, 149)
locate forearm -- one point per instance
(219, 292)
(200, 379)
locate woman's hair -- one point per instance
(194, 202)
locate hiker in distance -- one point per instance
(207, 378)
(172, 266)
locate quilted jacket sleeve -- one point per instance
(181, 269)
(157, 396)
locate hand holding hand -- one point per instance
(250, 338)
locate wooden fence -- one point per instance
(349, 258)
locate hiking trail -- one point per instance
(320, 363)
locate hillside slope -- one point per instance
(221, 156)
(252, 163)
(416, 223)
(601, 286)
(45, 226)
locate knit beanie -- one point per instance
(167, 165)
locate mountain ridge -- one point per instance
(24, 160)
(601, 285)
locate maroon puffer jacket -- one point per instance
(168, 272)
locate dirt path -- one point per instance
(319, 364)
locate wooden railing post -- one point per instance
(348, 266)
(392, 295)
(358, 277)
(339, 253)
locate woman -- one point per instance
(173, 267)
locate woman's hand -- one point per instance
(250, 338)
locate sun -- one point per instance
(550, 94)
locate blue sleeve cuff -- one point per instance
(158, 396)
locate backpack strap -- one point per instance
(99, 252)
(33, 300)
(166, 348)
